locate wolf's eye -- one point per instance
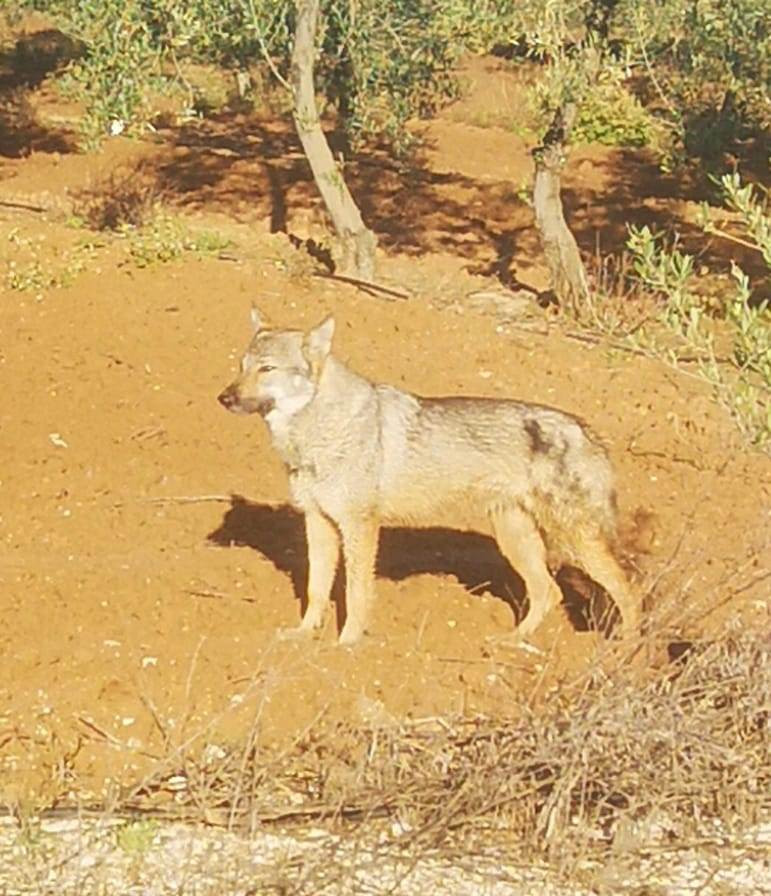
(265, 368)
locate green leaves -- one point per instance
(744, 384)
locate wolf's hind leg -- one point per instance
(597, 560)
(521, 543)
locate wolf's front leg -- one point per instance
(360, 540)
(323, 555)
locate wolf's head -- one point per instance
(280, 369)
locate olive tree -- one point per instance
(700, 70)
(373, 65)
(357, 241)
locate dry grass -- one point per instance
(125, 198)
(600, 784)
(617, 765)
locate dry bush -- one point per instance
(615, 767)
(616, 306)
(125, 198)
(616, 783)
(620, 758)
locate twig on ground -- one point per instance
(370, 286)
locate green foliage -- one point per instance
(28, 267)
(753, 215)
(702, 68)
(707, 67)
(579, 70)
(382, 68)
(744, 385)
(379, 65)
(165, 239)
(120, 64)
(751, 320)
(135, 838)
(611, 115)
(231, 33)
(697, 73)
(667, 272)
(726, 43)
(29, 276)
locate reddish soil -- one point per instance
(147, 558)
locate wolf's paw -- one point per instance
(350, 636)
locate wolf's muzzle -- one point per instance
(238, 404)
(227, 398)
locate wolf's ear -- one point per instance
(318, 344)
(256, 319)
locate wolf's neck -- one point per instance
(339, 398)
(279, 418)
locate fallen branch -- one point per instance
(368, 285)
(182, 499)
(23, 206)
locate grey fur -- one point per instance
(360, 454)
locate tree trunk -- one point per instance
(563, 259)
(357, 242)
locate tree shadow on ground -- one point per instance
(23, 68)
(253, 167)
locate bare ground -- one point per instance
(147, 557)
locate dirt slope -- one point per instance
(146, 555)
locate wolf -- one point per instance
(360, 455)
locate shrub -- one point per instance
(744, 384)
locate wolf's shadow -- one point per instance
(278, 533)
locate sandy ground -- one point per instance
(147, 557)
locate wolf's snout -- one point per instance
(227, 398)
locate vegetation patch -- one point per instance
(741, 377)
(597, 785)
(28, 265)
